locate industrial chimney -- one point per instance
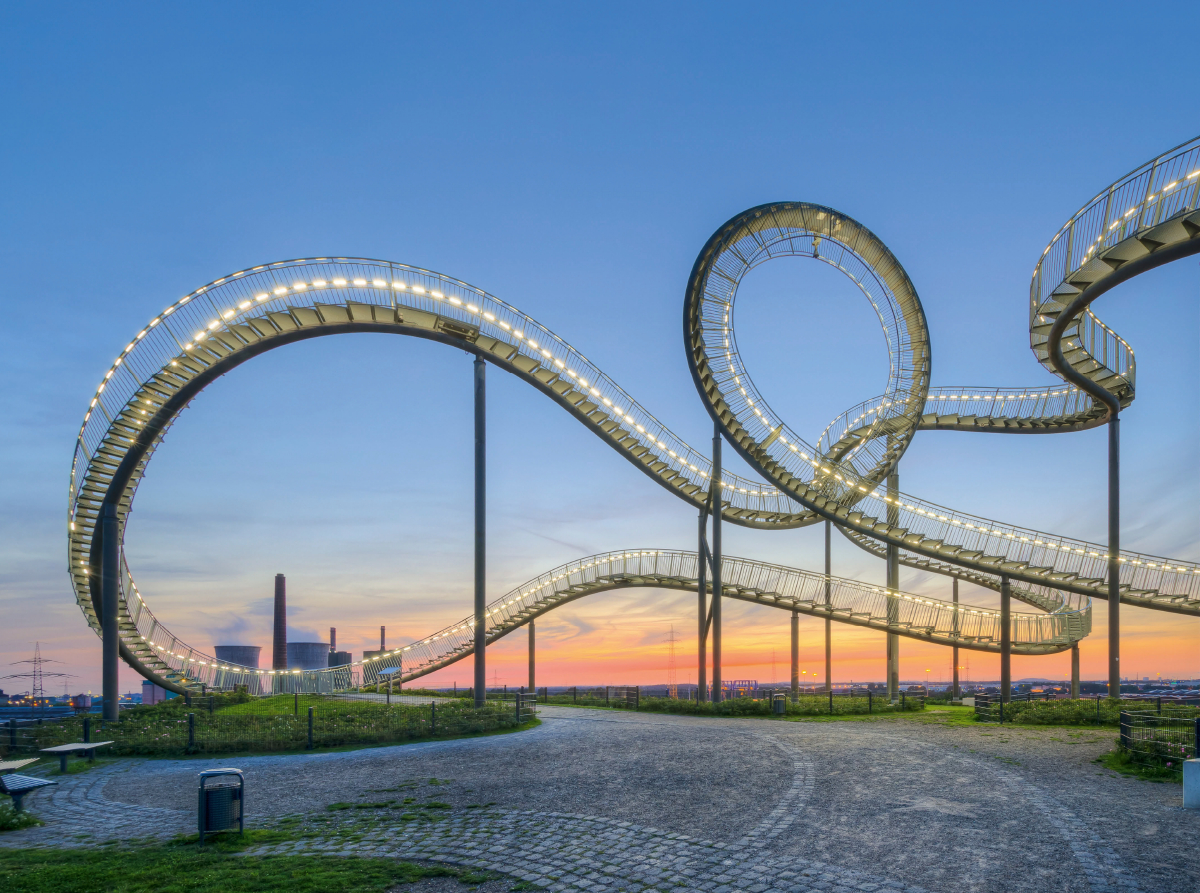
(333, 638)
(382, 644)
(279, 659)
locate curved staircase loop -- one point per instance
(1147, 218)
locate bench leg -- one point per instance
(62, 764)
(17, 798)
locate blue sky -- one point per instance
(571, 161)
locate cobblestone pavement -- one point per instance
(604, 800)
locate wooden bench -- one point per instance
(65, 750)
(14, 765)
(17, 786)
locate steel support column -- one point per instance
(702, 610)
(828, 602)
(480, 530)
(1114, 549)
(893, 585)
(532, 661)
(1075, 671)
(110, 563)
(716, 560)
(1005, 640)
(956, 691)
(795, 656)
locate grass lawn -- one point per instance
(183, 867)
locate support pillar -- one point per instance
(716, 559)
(828, 603)
(532, 660)
(702, 611)
(480, 530)
(795, 656)
(893, 585)
(1005, 640)
(110, 561)
(956, 692)
(1075, 671)
(1114, 548)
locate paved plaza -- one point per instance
(601, 800)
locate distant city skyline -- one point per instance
(574, 167)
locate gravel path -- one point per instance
(596, 800)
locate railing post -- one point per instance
(1123, 726)
(310, 728)
(831, 702)
(432, 717)
(1196, 725)
(191, 731)
(87, 730)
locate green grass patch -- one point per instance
(213, 869)
(234, 724)
(1126, 763)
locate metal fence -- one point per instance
(1158, 737)
(215, 725)
(1039, 708)
(758, 702)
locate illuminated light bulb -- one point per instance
(489, 317)
(504, 326)
(360, 281)
(339, 281)
(437, 294)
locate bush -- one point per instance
(11, 820)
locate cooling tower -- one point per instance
(307, 655)
(240, 655)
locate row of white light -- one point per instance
(1149, 200)
(819, 469)
(228, 315)
(942, 606)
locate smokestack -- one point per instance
(382, 646)
(279, 642)
(333, 638)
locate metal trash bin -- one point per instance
(220, 805)
(779, 705)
